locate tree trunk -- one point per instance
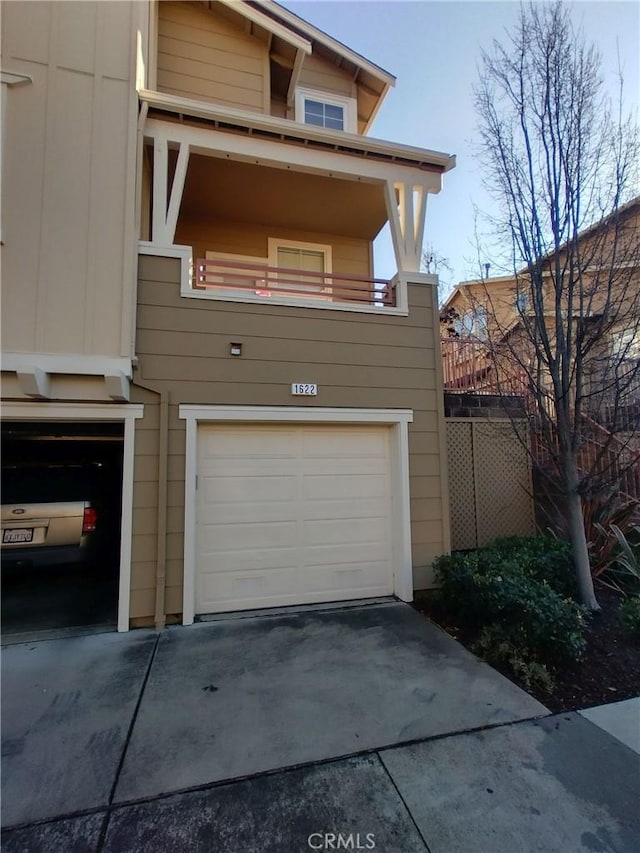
(580, 552)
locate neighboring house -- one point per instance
(478, 315)
(190, 202)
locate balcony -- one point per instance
(263, 282)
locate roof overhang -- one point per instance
(314, 34)
(253, 14)
(263, 126)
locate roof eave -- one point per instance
(403, 154)
(328, 41)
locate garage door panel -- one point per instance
(333, 555)
(247, 466)
(338, 443)
(369, 578)
(241, 512)
(266, 560)
(345, 532)
(237, 489)
(247, 586)
(292, 514)
(238, 537)
(332, 508)
(265, 443)
(345, 486)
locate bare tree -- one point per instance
(560, 163)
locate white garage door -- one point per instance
(292, 515)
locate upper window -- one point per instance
(323, 115)
(334, 112)
(522, 301)
(472, 323)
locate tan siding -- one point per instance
(318, 73)
(174, 599)
(175, 496)
(155, 312)
(278, 108)
(358, 360)
(204, 56)
(349, 255)
(142, 602)
(203, 345)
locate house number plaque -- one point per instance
(304, 389)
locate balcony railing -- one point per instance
(235, 278)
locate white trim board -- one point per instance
(392, 162)
(78, 364)
(397, 419)
(77, 412)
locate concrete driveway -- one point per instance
(271, 733)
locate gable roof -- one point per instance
(307, 30)
(289, 29)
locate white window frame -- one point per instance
(275, 243)
(349, 106)
(397, 419)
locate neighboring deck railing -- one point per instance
(262, 280)
(467, 365)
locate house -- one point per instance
(190, 203)
(479, 315)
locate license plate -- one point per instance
(17, 535)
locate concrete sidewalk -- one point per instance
(273, 733)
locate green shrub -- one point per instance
(544, 558)
(631, 615)
(518, 588)
(492, 647)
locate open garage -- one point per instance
(61, 520)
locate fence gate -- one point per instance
(490, 490)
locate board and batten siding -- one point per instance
(69, 177)
(358, 361)
(204, 56)
(349, 255)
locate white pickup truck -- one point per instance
(44, 521)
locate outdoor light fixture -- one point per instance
(235, 348)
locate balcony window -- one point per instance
(302, 257)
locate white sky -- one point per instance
(433, 49)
